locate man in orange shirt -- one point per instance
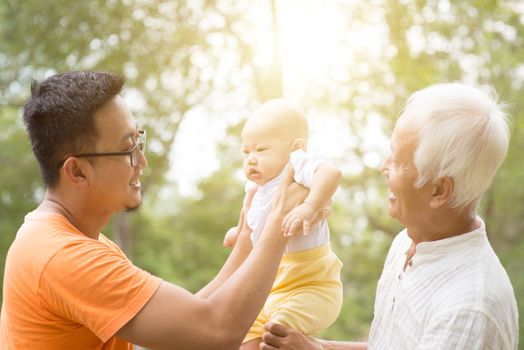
(67, 286)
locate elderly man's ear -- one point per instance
(442, 192)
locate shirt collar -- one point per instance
(437, 249)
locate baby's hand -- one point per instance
(298, 218)
(232, 234)
(231, 237)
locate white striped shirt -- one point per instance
(455, 295)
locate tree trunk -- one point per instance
(123, 233)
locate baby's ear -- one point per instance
(299, 143)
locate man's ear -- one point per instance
(299, 143)
(442, 192)
(74, 170)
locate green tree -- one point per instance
(183, 57)
(18, 179)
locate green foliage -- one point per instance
(186, 247)
(363, 254)
(20, 184)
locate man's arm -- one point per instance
(342, 345)
(177, 319)
(238, 255)
(240, 251)
(278, 336)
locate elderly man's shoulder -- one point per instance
(472, 278)
(462, 272)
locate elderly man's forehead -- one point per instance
(411, 119)
(407, 129)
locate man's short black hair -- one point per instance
(59, 116)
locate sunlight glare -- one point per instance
(311, 36)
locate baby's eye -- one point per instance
(262, 149)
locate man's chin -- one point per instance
(131, 209)
(393, 214)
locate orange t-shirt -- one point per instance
(64, 290)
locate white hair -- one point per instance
(463, 134)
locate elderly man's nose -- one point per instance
(384, 168)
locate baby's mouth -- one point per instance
(253, 173)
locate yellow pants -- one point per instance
(306, 294)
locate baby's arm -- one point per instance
(325, 182)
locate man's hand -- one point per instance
(278, 336)
(288, 196)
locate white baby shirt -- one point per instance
(305, 167)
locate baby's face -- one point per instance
(266, 153)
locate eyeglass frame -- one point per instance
(140, 145)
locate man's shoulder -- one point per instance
(38, 239)
(43, 237)
(476, 281)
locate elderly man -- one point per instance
(442, 286)
(67, 286)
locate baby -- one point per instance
(307, 292)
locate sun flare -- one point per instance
(311, 36)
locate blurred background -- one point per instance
(194, 71)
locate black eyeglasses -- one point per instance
(134, 153)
